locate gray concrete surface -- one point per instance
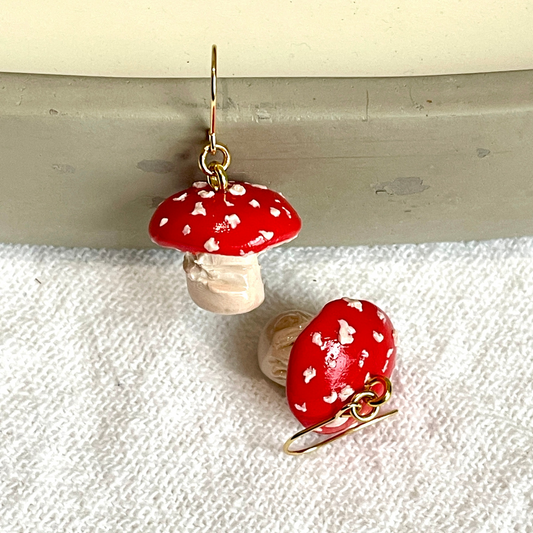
(84, 161)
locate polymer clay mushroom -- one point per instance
(336, 355)
(221, 234)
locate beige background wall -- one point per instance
(168, 38)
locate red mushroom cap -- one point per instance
(245, 219)
(346, 344)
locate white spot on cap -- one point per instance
(229, 204)
(198, 209)
(199, 184)
(186, 229)
(266, 234)
(254, 203)
(346, 392)
(317, 339)
(259, 186)
(206, 194)
(356, 304)
(180, 198)
(232, 220)
(381, 315)
(309, 374)
(332, 398)
(211, 245)
(302, 407)
(389, 353)
(333, 351)
(345, 332)
(287, 211)
(275, 212)
(367, 377)
(277, 200)
(377, 336)
(163, 222)
(386, 365)
(237, 189)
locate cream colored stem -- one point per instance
(223, 284)
(276, 341)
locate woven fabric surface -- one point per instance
(126, 408)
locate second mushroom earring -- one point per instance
(336, 367)
(222, 226)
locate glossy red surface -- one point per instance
(245, 219)
(336, 366)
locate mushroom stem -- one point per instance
(275, 343)
(224, 284)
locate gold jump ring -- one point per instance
(202, 161)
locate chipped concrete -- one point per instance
(482, 152)
(262, 115)
(157, 166)
(400, 186)
(365, 119)
(418, 106)
(63, 168)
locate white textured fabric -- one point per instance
(125, 408)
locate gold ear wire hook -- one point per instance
(212, 134)
(351, 410)
(215, 171)
(313, 447)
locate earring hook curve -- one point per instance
(350, 410)
(215, 171)
(212, 134)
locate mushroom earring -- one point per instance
(222, 226)
(336, 367)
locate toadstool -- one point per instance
(342, 348)
(221, 234)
